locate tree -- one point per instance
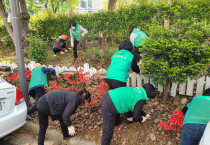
(174, 54)
(24, 19)
(54, 5)
(112, 5)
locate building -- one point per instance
(89, 6)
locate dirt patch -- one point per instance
(88, 122)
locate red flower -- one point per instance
(96, 99)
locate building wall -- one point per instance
(85, 6)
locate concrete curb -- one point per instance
(56, 136)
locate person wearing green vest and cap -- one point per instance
(38, 82)
(122, 100)
(197, 116)
(60, 45)
(121, 63)
(137, 38)
(76, 32)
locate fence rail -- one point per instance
(188, 88)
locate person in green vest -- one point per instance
(60, 45)
(121, 63)
(122, 100)
(76, 32)
(38, 82)
(137, 38)
(197, 116)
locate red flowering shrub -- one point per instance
(74, 82)
(16, 77)
(175, 121)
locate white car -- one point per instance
(13, 108)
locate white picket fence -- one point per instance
(190, 87)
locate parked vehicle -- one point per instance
(13, 108)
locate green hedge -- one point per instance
(114, 25)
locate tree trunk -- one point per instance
(24, 20)
(166, 90)
(167, 21)
(111, 5)
(4, 14)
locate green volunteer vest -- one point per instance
(58, 39)
(38, 78)
(139, 40)
(198, 111)
(120, 66)
(125, 98)
(76, 33)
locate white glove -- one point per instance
(83, 34)
(144, 119)
(66, 50)
(148, 117)
(130, 119)
(69, 48)
(72, 130)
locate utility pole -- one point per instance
(19, 50)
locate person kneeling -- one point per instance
(60, 105)
(122, 100)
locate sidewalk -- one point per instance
(56, 136)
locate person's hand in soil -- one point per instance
(144, 119)
(72, 130)
(66, 50)
(148, 117)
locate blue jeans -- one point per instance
(192, 133)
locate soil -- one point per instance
(89, 125)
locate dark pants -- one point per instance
(44, 113)
(113, 84)
(136, 53)
(192, 133)
(56, 50)
(75, 48)
(109, 113)
(39, 92)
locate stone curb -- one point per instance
(56, 136)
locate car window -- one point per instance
(1, 80)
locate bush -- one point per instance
(37, 49)
(172, 55)
(113, 25)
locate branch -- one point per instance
(4, 14)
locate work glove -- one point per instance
(148, 117)
(66, 50)
(144, 119)
(72, 46)
(71, 130)
(83, 34)
(69, 48)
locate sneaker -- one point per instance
(61, 52)
(67, 137)
(30, 116)
(129, 122)
(54, 55)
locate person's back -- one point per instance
(120, 65)
(59, 99)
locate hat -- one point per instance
(64, 37)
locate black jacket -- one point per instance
(63, 103)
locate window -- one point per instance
(83, 4)
(89, 3)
